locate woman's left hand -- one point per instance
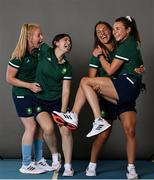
(140, 69)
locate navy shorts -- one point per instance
(112, 111)
(24, 105)
(46, 106)
(108, 109)
(128, 88)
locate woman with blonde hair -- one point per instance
(20, 74)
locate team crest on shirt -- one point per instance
(29, 111)
(27, 61)
(49, 59)
(63, 70)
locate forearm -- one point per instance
(110, 68)
(18, 83)
(105, 65)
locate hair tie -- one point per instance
(129, 18)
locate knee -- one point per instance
(84, 81)
(31, 129)
(130, 132)
(48, 130)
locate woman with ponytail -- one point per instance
(20, 74)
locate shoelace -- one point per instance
(43, 162)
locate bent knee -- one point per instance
(84, 81)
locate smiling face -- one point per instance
(103, 33)
(35, 38)
(120, 32)
(64, 44)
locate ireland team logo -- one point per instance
(64, 70)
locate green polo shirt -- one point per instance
(27, 69)
(129, 52)
(50, 75)
(95, 63)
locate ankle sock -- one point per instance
(55, 158)
(92, 165)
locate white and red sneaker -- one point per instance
(68, 119)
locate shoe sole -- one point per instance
(61, 122)
(58, 119)
(90, 175)
(99, 131)
(65, 175)
(136, 177)
(26, 172)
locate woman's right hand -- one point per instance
(97, 51)
(35, 87)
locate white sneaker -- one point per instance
(56, 166)
(99, 125)
(42, 164)
(31, 169)
(131, 173)
(90, 172)
(68, 172)
(68, 117)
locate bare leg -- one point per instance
(128, 120)
(98, 143)
(30, 127)
(67, 143)
(45, 122)
(27, 139)
(104, 86)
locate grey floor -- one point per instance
(106, 169)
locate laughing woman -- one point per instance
(54, 74)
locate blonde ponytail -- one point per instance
(21, 47)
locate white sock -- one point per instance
(55, 157)
(92, 165)
(130, 166)
(67, 166)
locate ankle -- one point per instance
(67, 166)
(130, 166)
(92, 165)
(55, 158)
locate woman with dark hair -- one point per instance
(124, 88)
(54, 74)
(125, 107)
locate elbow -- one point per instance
(8, 79)
(110, 72)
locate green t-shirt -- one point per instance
(95, 63)
(129, 52)
(50, 75)
(27, 69)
